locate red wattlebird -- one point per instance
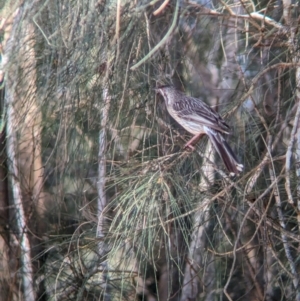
(198, 118)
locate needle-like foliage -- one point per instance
(99, 199)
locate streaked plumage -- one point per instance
(198, 118)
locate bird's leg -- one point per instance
(190, 144)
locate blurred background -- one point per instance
(98, 198)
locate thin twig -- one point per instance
(162, 42)
(283, 225)
(161, 8)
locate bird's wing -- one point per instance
(196, 111)
(225, 151)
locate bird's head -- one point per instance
(167, 92)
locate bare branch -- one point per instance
(162, 42)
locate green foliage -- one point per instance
(166, 216)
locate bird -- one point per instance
(196, 117)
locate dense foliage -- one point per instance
(99, 199)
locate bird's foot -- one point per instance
(193, 141)
(189, 146)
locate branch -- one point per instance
(283, 236)
(162, 42)
(288, 157)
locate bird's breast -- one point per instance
(189, 125)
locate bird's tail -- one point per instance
(225, 152)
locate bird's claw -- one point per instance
(188, 146)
